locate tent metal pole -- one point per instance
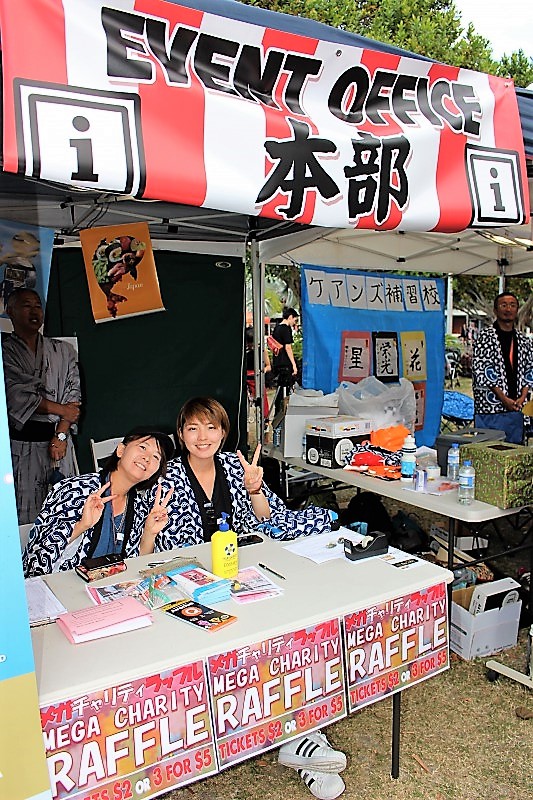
(258, 304)
(449, 304)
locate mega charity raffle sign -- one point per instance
(276, 689)
(395, 644)
(132, 740)
(151, 99)
(144, 737)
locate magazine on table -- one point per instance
(197, 614)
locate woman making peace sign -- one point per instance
(207, 481)
(92, 515)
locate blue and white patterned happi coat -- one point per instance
(488, 370)
(185, 523)
(53, 527)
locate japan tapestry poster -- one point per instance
(121, 272)
(160, 101)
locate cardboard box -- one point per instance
(475, 635)
(329, 440)
(504, 473)
(293, 427)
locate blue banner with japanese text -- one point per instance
(361, 324)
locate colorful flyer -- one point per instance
(276, 689)
(135, 740)
(395, 644)
(121, 273)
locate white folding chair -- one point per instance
(103, 449)
(24, 531)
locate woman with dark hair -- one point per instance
(96, 514)
(207, 482)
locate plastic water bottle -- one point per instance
(408, 464)
(467, 483)
(453, 462)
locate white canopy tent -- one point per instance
(497, 252)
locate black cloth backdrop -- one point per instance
(139, 370)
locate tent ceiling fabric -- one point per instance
(67, 210)
(469, 252)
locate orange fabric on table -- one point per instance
(390, 438)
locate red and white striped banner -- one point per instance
(151, 99)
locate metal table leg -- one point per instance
(396, 707)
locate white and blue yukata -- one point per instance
(488, 370)
(51, 373)
(49, 548)
(185, 522)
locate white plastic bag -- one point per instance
(312, 397)
(385, 404)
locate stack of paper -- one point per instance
(252, 584)
(43, 605)
(95, 622)
(201, 585)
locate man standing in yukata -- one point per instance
(502, 372)
(43, 402)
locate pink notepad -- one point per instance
(95, 622)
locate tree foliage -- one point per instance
(431, 28)
(475, 294)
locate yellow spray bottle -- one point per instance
(224, 552)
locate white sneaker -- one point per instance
(312, 752)
(322, 785)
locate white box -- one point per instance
(495, 594)
(471, 543)
(330, 439)
(472, 636)
(293, 427)
(341, 425)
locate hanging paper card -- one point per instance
(414, 355)
(430, 295)
(375, 293)
(121, 273)
(420, 400)
(386, 361)
(394, 288)
(355, 356)
(413, 300)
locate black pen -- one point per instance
(273, 571)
